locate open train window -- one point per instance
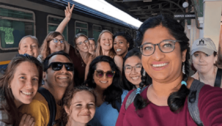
(52, 24)
(14, 24)
(81, 27)
(96, 31)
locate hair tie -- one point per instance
(138, 90)
(184, 83)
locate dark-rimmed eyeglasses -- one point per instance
(56, 66)
(165, 46)
(100, 73)
(80, 43)
(57, 40)
(129, 68)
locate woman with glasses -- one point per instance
(18, 86)
(133, 74)
(80, 54)
(104, 77)
(165, 52)
(105, 47)
(53, 42)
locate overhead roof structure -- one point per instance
(88, 11)
(143, 9)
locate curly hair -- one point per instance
(128, 38)
(114, 91)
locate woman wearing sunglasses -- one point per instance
(18, 86)
(104, 77)
(165, 52)
(80, 53)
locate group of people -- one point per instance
(113, 82)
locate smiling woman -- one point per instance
(104, 77)
(18, 86)
(105, 47)
(79, 106)
(165, 52)
(53, 42)
(122, 43)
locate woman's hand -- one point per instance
(27, 120)
(68, 11)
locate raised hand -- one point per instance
(27, 120)
(68, 11)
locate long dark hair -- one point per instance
(126, 84)
(176, 99)
(113, 92)
(6, 93)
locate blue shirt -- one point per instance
(105, 114)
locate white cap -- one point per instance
(205, 45)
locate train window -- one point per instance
(96, 31)
(14, 24)
(108, 28)
(115, 30)
(53, 22)
(81, 27)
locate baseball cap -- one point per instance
(205, 45)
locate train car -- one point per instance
(38, 17)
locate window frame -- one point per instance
(16, 19)
(53, 16)
(80, 27)
(100, 31)
(108, 28)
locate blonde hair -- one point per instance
(98, 47)
(45, 50)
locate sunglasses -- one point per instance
(100, 73)
(56, 66)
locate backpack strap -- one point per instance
(131, 97)
(51, 103)
(118, 105)
(193, 101)
(217, 82)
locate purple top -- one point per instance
(210, 107)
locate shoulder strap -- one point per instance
(118, 105)
(217, 82)
(193, 101)
(131, 97)
(51, 102)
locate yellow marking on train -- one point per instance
(4, 62)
